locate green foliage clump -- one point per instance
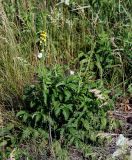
(65, 107)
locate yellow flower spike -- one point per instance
(43, 32)
(43, 36)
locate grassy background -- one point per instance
(95, 39)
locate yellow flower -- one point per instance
(43, 36)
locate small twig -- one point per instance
(50, 138)
(80, 8)
(50, 134)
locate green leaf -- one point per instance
(67, 95)
(43, 133)
(84, 61)
(32, 104)
(70, 107)
(60, 84)
(57, 111)
(60, 97)
(26, 133)
(66, 113)
(35, 133)
(73, 86)
(20, 113)
(86, 124)
(38, 116)
(103, 122)
(92, 136)
(73, 131)
(130, 88)
(3, 143)
(24, 115)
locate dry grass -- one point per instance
(1, 118)
(15, 70)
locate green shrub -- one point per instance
(67, 107)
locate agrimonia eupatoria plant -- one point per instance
(66, 107)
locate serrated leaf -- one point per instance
(26, 133)
(37, 116)
(73, 87)
(66, 112)
(25, 117)
(60, 84)
(86, 124)
(57, 111)
(73, 131)
(67, 95)
(20, 113)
